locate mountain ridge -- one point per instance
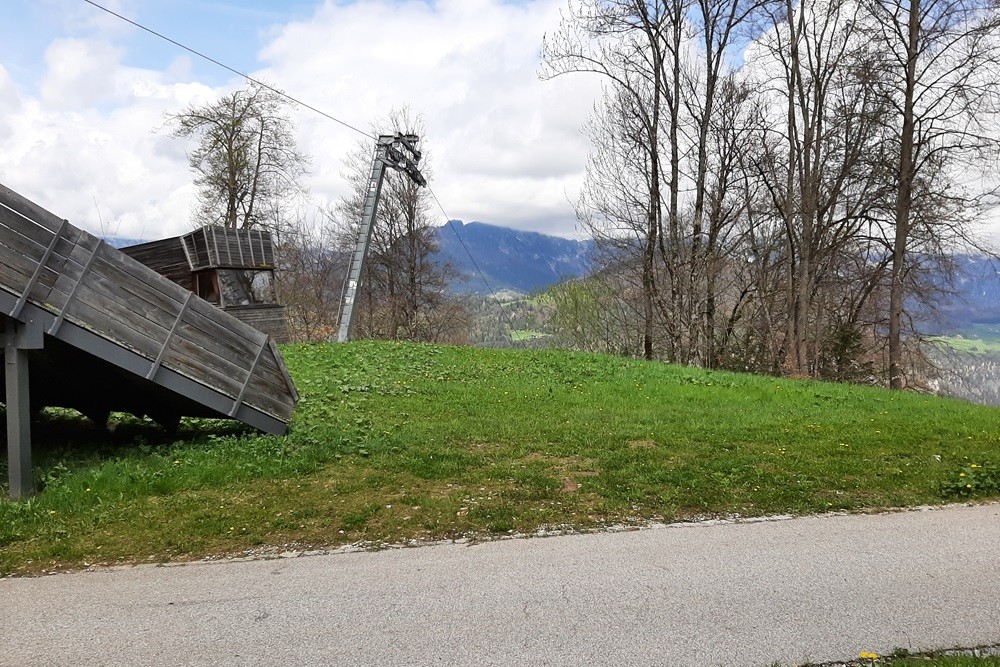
(509, 259)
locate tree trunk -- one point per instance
(904, 200)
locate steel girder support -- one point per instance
(398, 151)
(19, 337)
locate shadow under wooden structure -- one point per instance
(102, 332)
(230, 268)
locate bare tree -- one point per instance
(310, 276)
(769, 218)
(636, 46)
(246, 163)
(942, 57)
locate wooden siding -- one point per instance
(267, 318)
(167, 258)
(79, 279)
(213, 246)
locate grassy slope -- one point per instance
(932, 661)
(398, 441)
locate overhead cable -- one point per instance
(230, 69)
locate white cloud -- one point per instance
(111, 167)
(500, 137)
(505, 146)
(10, 100)
(10, 103)
(80, 73)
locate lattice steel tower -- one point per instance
(398, 151)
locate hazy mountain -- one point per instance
(115, 242)
(976, 298)
(510, 259)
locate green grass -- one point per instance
(954, 661)
(974, 345)
(518, 335)
(393, 442)
(933, 660)
(977, 339)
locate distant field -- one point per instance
(395, 442)
(972, 345)
(978, 338)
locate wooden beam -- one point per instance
(215, 244)
(253, 368)
(38, 271)
(72, 295)
(284, 371)
(166, 343)
(239, 246)
(253, 262)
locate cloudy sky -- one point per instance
(83, 97)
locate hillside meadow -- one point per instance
(397, 442)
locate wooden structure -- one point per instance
(230, 268)
(102, 332)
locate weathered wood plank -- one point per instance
(30, 239)
(29, 209)
(170, 335)
(154, 314)
(270, 372)
(15, 273)
(246, 383)
(75, 277)
(104, 324)
(212, 343)
(26, 292)
(269, 319)
(139, 317)
(166, 257)
(188, 345)
(212, 320)
(293, 392)
(182, 358)
(74, 290)
(123, 281)
(19, 247)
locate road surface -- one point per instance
(806, 589)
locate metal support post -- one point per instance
(391, 150)
(18, 339)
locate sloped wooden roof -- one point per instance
(161, 341)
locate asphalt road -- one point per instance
(816, 589)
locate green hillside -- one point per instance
(394, 442)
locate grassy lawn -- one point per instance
(394, 442)
(956, 661)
